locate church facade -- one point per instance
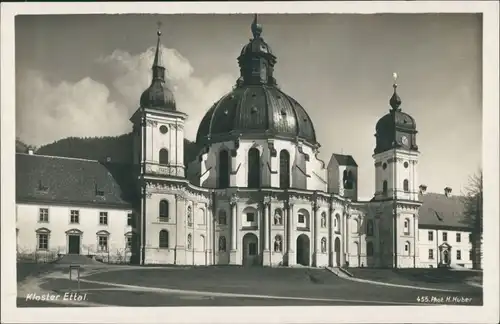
(257, 194)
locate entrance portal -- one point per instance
(250, 250)
(74, 244)
(337, 252)
(446, 257)
(303, 250)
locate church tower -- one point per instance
(396, 154)
(159, 127)
(396, 187)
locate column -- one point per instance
(291, 238)
(266, 234)
(316, 228)
(180, 235)
(234, 229)
(345, 219)
(209, 236)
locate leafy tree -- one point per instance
(473, 212)
(21, 147)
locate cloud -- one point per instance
(48, 111)
(193, 95)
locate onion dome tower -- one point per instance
(396, 129)
(158, 95)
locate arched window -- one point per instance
(284, 169)
(407, 226)
(407, 248)
(164, 156)
(405, 186)
(222, 244)
(369, 228)
(369, 249)
(222, 217)
(223, 169)
(163, 214)
(163, 239)
(253, 176)
(384, 187)
(348, 179)
(189, 242)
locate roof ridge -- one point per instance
(58, 157)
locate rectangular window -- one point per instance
(459, 255)
(431, 254)
(470, 238)
(470, 255)
(130, 219)
(250, 217)
(43, 215)
(43, 241)
(445, 236)
(302, 219)
(103, 218)
(430, 236)
(252, 249)
(103, 243)
(75, 217)
(129, 242)
(407, 247)
(459, 238)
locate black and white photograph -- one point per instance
(250, 155)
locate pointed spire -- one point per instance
(395, 101)
(158, 69)
(256, 27)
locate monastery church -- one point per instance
(257, 194)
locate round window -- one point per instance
(405, 165)
(163, 129)
(384, 166)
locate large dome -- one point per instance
(256, 107)
(256, 110)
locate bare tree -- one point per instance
(473, 212)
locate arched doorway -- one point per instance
(337, 252)
(303, 247)
(250, 250)
(446, 257)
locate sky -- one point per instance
(82, 75)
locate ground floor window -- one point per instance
(102, 243)
(43, 241)
(431, 254)
(128, 240)
(459, 255)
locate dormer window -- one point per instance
(99, 192)
(41, 187)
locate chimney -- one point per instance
(423, 189)
(447, 191)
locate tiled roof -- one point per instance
(73, 181)
(345, 159)
(438, 210)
